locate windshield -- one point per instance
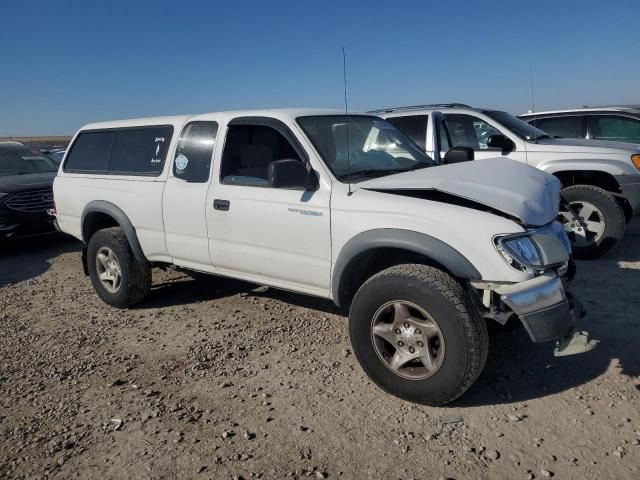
(360, 147)
(22, 160)
(517, 126)
(57, 156)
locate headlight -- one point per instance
(520, 252)
(523, 249)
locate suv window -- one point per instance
(568, 127)
(413, 126)
(124, 151)
(469, 131)
(192, 161)
(248, 151)
(620, 129)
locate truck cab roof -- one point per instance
(279, 113)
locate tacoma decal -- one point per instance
(313, 213)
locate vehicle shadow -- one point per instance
(187, 289)
(25, 259)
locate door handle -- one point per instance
(221, 204)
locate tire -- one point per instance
(135, 276)
(595, 221)
(462, 346)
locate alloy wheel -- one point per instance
(583, 222)
(408, 340)
(108, 268)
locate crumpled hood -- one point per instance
(579, 145)
(518, 190)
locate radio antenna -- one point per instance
(533, 101)
(346, 111)
(344, 78)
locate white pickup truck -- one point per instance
(344, 207)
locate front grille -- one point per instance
(33, 201)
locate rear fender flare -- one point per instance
(108, 208)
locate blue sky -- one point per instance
(67, 63)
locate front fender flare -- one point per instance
(108, 208)
(408, 240)
(610, 166)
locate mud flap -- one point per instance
(574, 343)
(85, 268)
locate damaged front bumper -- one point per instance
(548, 312)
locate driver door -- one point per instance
(277, 236)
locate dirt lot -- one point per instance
(213, 378)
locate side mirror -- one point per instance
(459, 154)
(501, 142)
(292, 174)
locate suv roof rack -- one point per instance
(612, 106)
(419, 107)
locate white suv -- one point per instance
(341, 207)
(601, 180)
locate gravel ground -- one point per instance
(214, 378)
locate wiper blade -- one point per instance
(388, 171)
(365, 173)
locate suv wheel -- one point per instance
(416, 334)
(117, 276)
(594, 221)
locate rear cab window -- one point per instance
(120, 151)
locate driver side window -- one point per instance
(249, 150)
(469, 131)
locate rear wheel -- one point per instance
(118, 277)
(594, 220)
(417, 335)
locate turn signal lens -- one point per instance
(635, 159)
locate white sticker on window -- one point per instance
(155, 159)
(181, 162)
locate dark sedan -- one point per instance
(26, 181)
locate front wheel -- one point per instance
(593, 219)
(417, 335)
